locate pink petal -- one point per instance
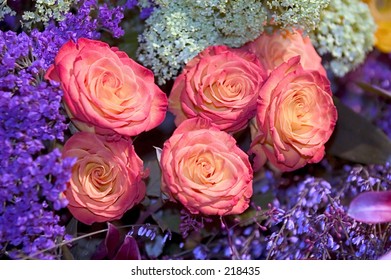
(371, 207)
(386, 256)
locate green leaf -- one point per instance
(146, 202)
(168, 218)
(83, 249)
(154, 181)
(358, 140)
(71, 227)
(263, 199)
(66, 253)
(133, 26)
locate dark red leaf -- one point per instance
(128, 250)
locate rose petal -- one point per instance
(105, 91)
(386, 256)
(371, 207)
(220, 85)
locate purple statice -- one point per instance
(200, 252)
(30, 189)
(81, 24)
(315, 224)
(375, 71)
(245, 243)
(146, 9)
(110, 18)
(33, 174)
(305, 219)
(146, 12)
(190, 222)
(130, 4)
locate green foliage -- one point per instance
(357, 140)
(168, 219)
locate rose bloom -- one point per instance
(276, 48)
(204, 170)
(220, 84)
(295, 117)
(381, 12)
(105, 91)
(106, 179)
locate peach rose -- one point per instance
(295, 117)
(105, 91)
(204, 170)
(220, 84)
(276, 48)
(106, 179)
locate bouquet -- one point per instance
(217, 129)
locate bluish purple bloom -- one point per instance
(315, 224)
(33, 174)
(145, 11)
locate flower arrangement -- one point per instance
(158, 129)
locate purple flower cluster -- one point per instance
(190, 222)
(110, 18)
(145, 11)
(315, 224)
(32, 173)
(81, 24)
(306, 220)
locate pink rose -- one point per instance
(274, 49)
(204, 170)
(105, 91)
(220, 84)
(295, 116)
(106, 179)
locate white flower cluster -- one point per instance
(346, 33)
(299, 14)
(178, 30)
(46, 10)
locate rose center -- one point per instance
(110, 80)
(98, 172)
(202, 168)
(232, 89)
(101, 178)
(301, 110)
(206, 169)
